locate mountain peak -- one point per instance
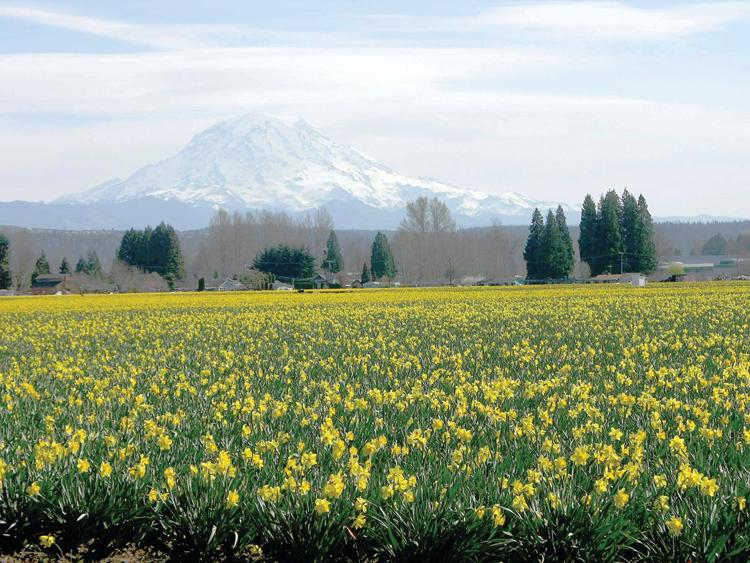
(256, 161)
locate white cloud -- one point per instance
(610, 20)
(234, 79)
(160, 37)
(136, 34)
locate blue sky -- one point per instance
(550, 99)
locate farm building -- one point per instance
(51, 284)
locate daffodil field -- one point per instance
(557, 423)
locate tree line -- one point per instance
(428, 247)
(719, 245)
(616, 236)
(297, 263)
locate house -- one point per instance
(51, 284)
(281, 286)
(637, 280)
(320, 282)
(356, 284)
(232, 285)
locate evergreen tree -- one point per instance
(382, 264)
(588, 241)
(332, 259)
(154, 250)
(201, 284)
(646, 247)
(553, 260)
(715, 246)
(145, 251)
(286, 262)
(93, 264)
(64, 266)
(5, 278)
(41, 267)
(567, 259)
(164, 254)
(628, 230)
(532, 252)
(610, 238)
(365, 273)
(81, 266)
(130, 248)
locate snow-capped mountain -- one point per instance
(259, 162)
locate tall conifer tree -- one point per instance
(610, 237)
(365, 273)
(532, 252)
(567, 260)
(64, 266)
(646, 248)
(628, 228)
(382, 264)
(588, 241)
(5, 279)
(332, 259)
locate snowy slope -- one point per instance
(259, 162)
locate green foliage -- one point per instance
(5, 278)
(41, 267)
(382, 264)
(549, 248)
(533, 251)
(153, 250)
(676, 269)
(93, 264)
(365, 273)
(332, 259)
(64, 266)
(201, 284)
(715, 246)
(588, 241)
(618, 236)
(286, 262)
(645, 245)
(610, 236)
(567, 254)
(629, 230)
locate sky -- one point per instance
(549, 99)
